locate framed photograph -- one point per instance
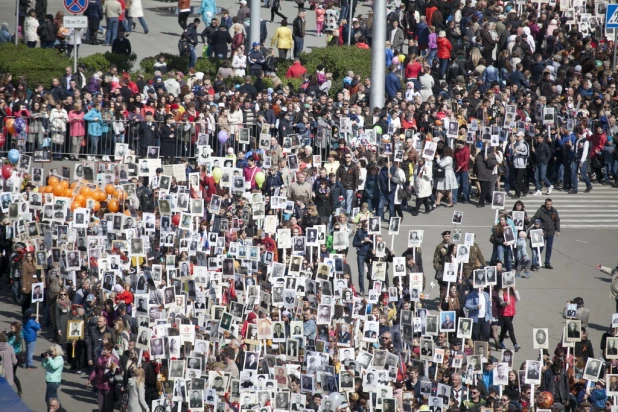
(611, 382)
(447, 321)
(393, 225)
(450, 272)
(536, 238)
(457, 218)
(415, 238)
(464, 328)
(611, 349)
(574, 330)
(37, 292)
(519, 219)
(244, 136)
(75, 329)
(508, 279)
(498, 200)
(540, 338)
(429, 151)
(592, 369)
(533, 375)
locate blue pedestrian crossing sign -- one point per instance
(75, 6)
(611, 16)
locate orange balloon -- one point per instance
(74, 205)
(9, 125)
(65, 184)
(68, 192)
(86, 191)
(109, 189)
(112, 205)
(81, 199)
(43, 189)
(53, 181)
(58, 190)
(100, 195)
(97, 206)
(49, 189)
(127, 212)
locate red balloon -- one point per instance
(7, 171)
(2, 139)
(176, 219)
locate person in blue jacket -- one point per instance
(95, 126)
(479, 310)
(392, 82)
(387, 191)
(29, 332)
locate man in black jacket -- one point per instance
(148, 134)
(298, 31)
(94, 339)
(484, 164)
(191, 36)
(121, 45)
(542, 154)
(47, 33)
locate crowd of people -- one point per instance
(227, 248)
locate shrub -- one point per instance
(174, 62)
(35, 65)
(102, 62)
(208, 65)
(337, 60)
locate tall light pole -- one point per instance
(254, 33)
(16, 21)
(378, 51)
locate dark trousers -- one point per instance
(18, 383)
(275, 10)
(26, 301)
(549, 243)
(425, 201)
(486, 191)
(507, 326)
(106, 400)
(480, 330)
(182, 19)
(566, 176)
(283, 53)
(520, 182)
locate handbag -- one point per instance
(438, 171)
(403, 194)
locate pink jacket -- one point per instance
(249, 175)
(77, 123)
(319, 15)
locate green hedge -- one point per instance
(102, 61)
(42, 65)
(35, 65)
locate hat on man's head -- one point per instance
(446, 233)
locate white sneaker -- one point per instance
(550, 189)
(537, 193)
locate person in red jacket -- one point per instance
(597, 142)
(462, 157)
(506, 312)
(296, 70)
(444, 52)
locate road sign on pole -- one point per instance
(75, 22)
(75, 6)
(611, 16)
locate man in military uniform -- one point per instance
(476, 260)
(440, 252)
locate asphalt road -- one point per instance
(587, 238)
(164, 30)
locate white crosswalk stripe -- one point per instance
(594, 210)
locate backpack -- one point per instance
(183, 45)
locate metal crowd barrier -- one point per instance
(39, 136)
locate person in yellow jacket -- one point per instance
(283, 39)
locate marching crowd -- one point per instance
(198, 253)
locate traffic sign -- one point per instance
(611, 16)
(75, 6)
(75, 22)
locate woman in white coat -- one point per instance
(427, 83)
(423, 186)
(448, 182)
(401, 177)
(136, 12)
(32, 24)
